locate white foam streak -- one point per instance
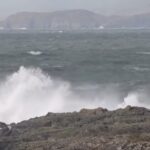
(144, 53)
(35, 52)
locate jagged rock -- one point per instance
(93, 111)
(4, 129)
(97, 129)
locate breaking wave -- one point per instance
(30, 92)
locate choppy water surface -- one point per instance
(42, 72)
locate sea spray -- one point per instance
(30, 92)
(136, 98)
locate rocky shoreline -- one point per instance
(97, 129)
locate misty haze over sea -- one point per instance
(67, 71)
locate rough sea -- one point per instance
(67, 71)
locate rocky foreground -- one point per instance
(98, 129)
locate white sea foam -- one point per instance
(29, 93)
(35, 53)
(144, 53)
(137, 68)
(141, 69)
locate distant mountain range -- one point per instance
(72, 20)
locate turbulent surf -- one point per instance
(71, 71)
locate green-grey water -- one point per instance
(109, 69)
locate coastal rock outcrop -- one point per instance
(89, 129)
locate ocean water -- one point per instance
(64, 72)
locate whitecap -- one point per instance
(35, 53)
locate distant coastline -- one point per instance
(72, 20)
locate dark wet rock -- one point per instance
(5, 130)
(93, 111)
(90, 129)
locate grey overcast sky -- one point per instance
(109, 7)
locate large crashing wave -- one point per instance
(30, 93)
